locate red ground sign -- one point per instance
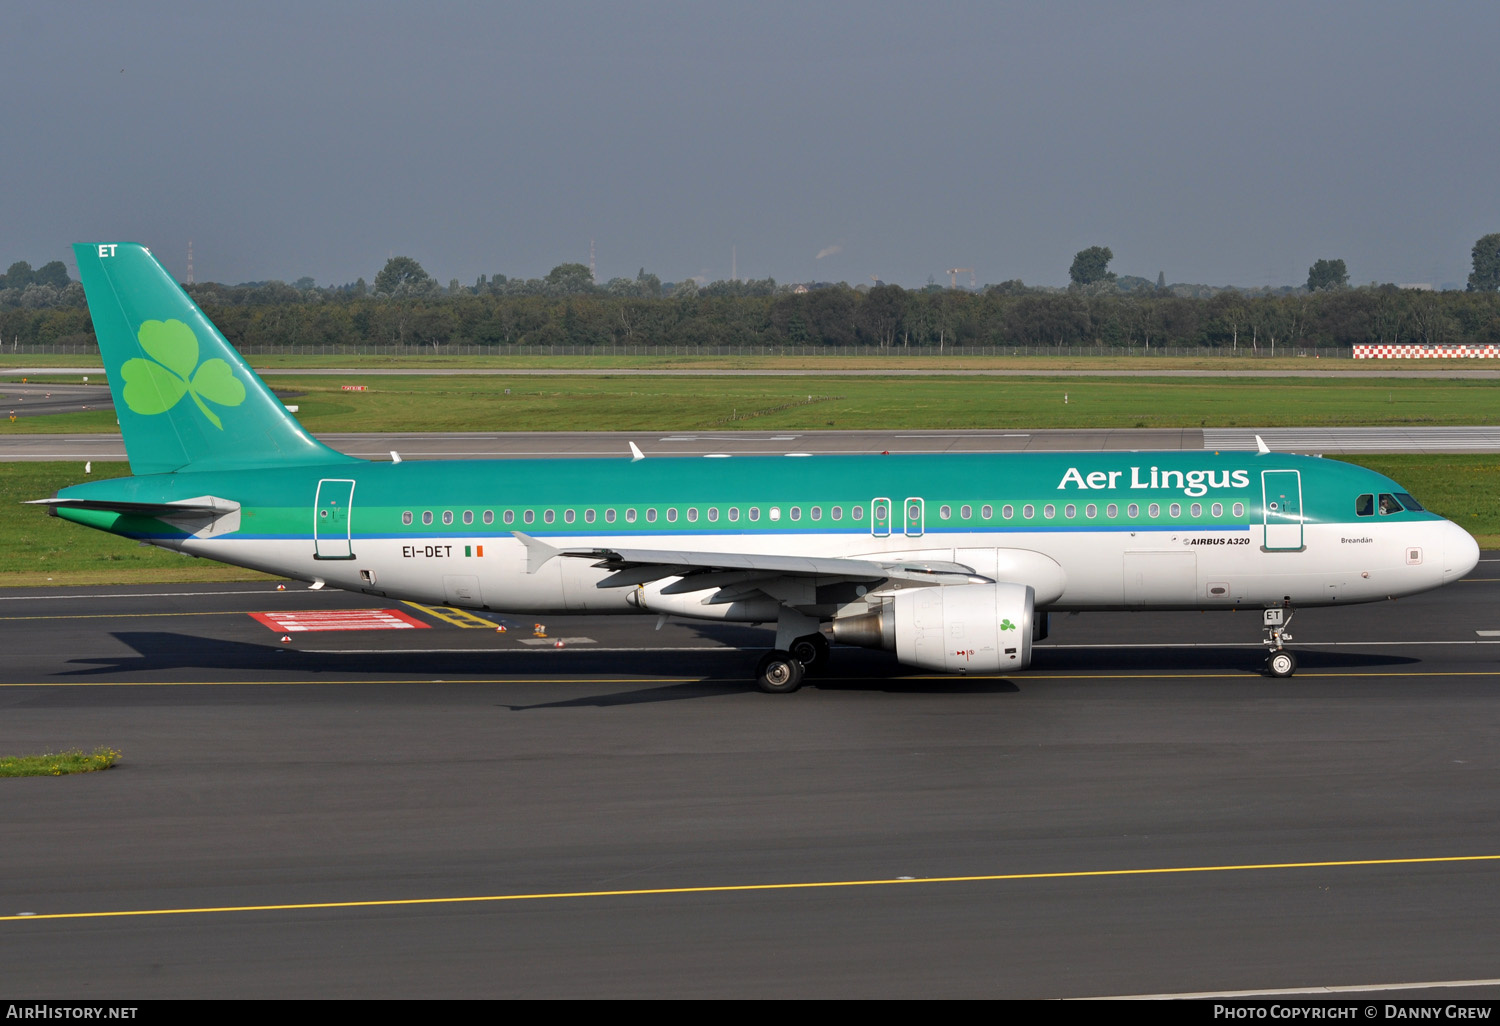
(339, 620)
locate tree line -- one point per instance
(406, 307)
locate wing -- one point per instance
(738, 574)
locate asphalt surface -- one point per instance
(453, 811)
(523, 444)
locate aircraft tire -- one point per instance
(1282, 664)
(779, 673)
(811, 651)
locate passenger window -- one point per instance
(754, 512)
(943, 511)
(630, 516)
(1239, 509)
(816, 512)
(672, 515)
(838, 513)
(1388, 504)
(468, 517)
(447, 517)
(609, 516)
(529, 516)
(427, 518)
(1007, 511)
(651, 516)
(795, 512)
(1049, 511)
(1112, 510)
(510, 516)
(568, 516)
(1364, 506)
(692, 515)
(1154, 510)
(1091, 511)
(1133, 510)
(965, 512)
(857, 512)
(734, 514)
(406, 518)
(713, 514)
(775, 513)
(987, 512)
(549, 516)
(1218, 509)
(588, 516)
(1028, 511)
(489, 516)
(1070, 511)
(1197, 509)
(1176, 509)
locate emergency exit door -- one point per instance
(1281, 501)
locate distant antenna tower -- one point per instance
(190, 262)
(592, 275)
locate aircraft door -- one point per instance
(1281, 503)
(880, 518)
(332, 526)
(915, 512)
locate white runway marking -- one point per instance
(1293, 991)
(1253, 644)
(262, 590)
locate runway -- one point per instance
(445, 810)
(524, 445)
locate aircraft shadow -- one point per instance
(712, 673)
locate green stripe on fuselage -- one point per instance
(279, 502)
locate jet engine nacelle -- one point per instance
(964, 628)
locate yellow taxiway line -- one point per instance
(748, 888)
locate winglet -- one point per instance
(635, 453)
(537, 552)
(1260, 443)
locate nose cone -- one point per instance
(1460, 552)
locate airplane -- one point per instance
(951, 562)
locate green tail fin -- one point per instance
(186, 400)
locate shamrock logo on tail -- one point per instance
(1006, 625)
(158, 384)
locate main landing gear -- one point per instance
(781, 672)
(1280, 663)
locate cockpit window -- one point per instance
(1407, 502)
(1364, 506)
(1388, 504)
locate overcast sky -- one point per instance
(1227, 143)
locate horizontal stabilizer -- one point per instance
(208, 506)
(201, 516)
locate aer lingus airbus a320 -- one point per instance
(951, 562)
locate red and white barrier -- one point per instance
(1485, 352)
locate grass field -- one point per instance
(895, 362)
(57, 764)
(38, 550)
(646, 403)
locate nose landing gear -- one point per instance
(1280, 663)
